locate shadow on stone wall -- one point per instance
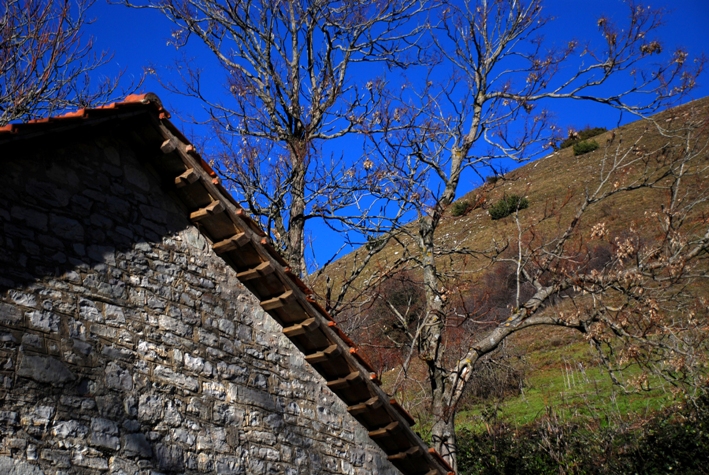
(69, 209)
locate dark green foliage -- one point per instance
(581, 135)
(374, 242)
(459, 208)
(508, 205)
(585, 147)
(492, 179)
(675, 441)
(588, 132)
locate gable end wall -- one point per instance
(127, 346)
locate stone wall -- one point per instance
(127, 346)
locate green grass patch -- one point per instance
(567, 378)
(573, 390)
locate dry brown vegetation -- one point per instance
(553, 183)
(482, 286)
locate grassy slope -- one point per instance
(553, 355)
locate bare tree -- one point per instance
(290, 69)
(498, 73)
(291, 91)
(45, 67)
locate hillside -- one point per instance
(554, 187)
(547, 182)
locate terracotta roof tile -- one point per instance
(87, 113)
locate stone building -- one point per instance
(146, 325)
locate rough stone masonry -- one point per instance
(128, 347)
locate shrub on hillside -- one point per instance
(459, 208)
(581, 135)
(508, 205)
(492, 179)
(585, 147)
(374, 242)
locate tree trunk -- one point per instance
(295, 252)
(434, 322)
(430, 339)
(443, 430)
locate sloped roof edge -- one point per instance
(240, 242)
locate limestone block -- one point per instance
(72, 428)
(58, 458)
(9, 418)
(102, 254)
(44, 369)
(44, 321)
(114, 314)
(118, 378)
(9, 466)
(62, 175)
(105, 441)
(183, 436)
(168, 376)
(136, 177)
(66, 228)
(23, 298)
(117, 353)
(173, 415)
(169, 457)
(48, 194)
(101, 221)
(89, 311)
(31, 340)
(10, 313)
(150, 407)
(33, 218)
(89, 458)
(136, 445)
(174, 325)
(228, 465)
(214, 389)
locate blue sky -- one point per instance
(140, 39)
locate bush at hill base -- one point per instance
(673, 441)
